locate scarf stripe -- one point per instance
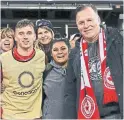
(101, 47)
(88, 108)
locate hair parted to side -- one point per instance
(84, 6)
(24, 23)
(55, 40)
(7, 32)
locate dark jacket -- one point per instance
(114, 59)
(54, 104)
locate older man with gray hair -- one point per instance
(96, 65)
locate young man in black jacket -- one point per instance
(96, 65)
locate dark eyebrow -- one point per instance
(55, 48)
(21, 32)
(29, 31)
(39, 32)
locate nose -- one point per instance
(25, 36)
(59, 51)
(43, 35)
(86, 24)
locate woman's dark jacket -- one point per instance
(115, 62)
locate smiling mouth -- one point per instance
(44, 39)
(6, 43)
(87, 31)
(60, 56)
(25, 42)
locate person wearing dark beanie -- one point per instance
(45, 34)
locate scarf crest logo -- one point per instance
(108, 79)
(87, 106)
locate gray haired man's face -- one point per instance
(88, 24)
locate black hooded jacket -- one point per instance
(114, 42)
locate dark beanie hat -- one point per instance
(43, 22)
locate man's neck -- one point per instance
(92, 40)
(24, 52)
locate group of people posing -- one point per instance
(43, 77)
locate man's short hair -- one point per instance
(24, 23)
(84, 6)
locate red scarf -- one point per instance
(88, 108)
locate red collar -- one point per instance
(21, 58)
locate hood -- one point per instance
(58, 68)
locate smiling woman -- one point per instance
(54, 82)
(59, 52)
(7, 40)
(45, 34)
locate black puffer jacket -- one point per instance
(115, 61)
